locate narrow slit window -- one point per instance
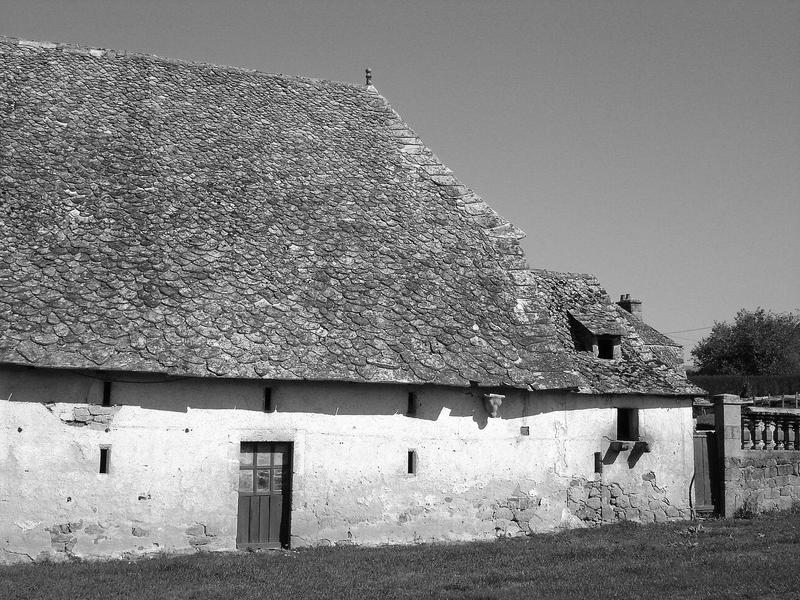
(268, 400)
(628, 424)
(106, 393)
(412, 462)
(411, 409)
(105, 460)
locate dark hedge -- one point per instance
(758, 385)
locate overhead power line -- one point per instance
(686, 330)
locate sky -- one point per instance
(654, 144)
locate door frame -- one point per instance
(285, 535)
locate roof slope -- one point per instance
(644, 368)
(210, 221)
(649, 335)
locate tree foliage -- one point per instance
(759, 342)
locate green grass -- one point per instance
(753, 558)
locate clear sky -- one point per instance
(653, 143)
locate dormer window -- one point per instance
(607, 346)
(597, 331)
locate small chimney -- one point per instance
(632, 306)
(368, 75)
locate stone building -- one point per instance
(242, 309)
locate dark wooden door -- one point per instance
(706, 473)
(265, 476)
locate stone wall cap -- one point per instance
(773, 410)
(730, 399)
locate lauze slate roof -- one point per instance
(188, 219)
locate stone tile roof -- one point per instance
(643, 368)
(649, 335)
(189, 219)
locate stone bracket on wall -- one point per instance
(624, 445)
(492, 402)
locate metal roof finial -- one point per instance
(369, 76)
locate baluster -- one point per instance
(770, 435)
(796, 432)
(747, 436)
(759, 434)
(788, 442)
(788, 438)
(780, 433)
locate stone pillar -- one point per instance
(728, 426)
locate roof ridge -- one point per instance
(566, 274)
(98, 52)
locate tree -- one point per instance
(758, 342)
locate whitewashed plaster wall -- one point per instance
(172, 484)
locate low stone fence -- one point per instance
(759, 451)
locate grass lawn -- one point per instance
(743, 558)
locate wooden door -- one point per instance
(265, 475)
(706, 473)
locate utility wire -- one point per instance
(685, 339)
(687, 330)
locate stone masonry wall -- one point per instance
(767, 481)
(595, 502)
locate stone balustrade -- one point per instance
(758, 452)
(770, 428)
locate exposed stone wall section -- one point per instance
(595, 502)
(514, 516)
(87, 415)
(62, 536)
(97, 531)
(84, 415)
(768, 481)
(199, 535)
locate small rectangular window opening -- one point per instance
(105, 460)
(605, 347)
(268, 400)
(411, 410)
(628, 424)
(106, 393)
(412, 462)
